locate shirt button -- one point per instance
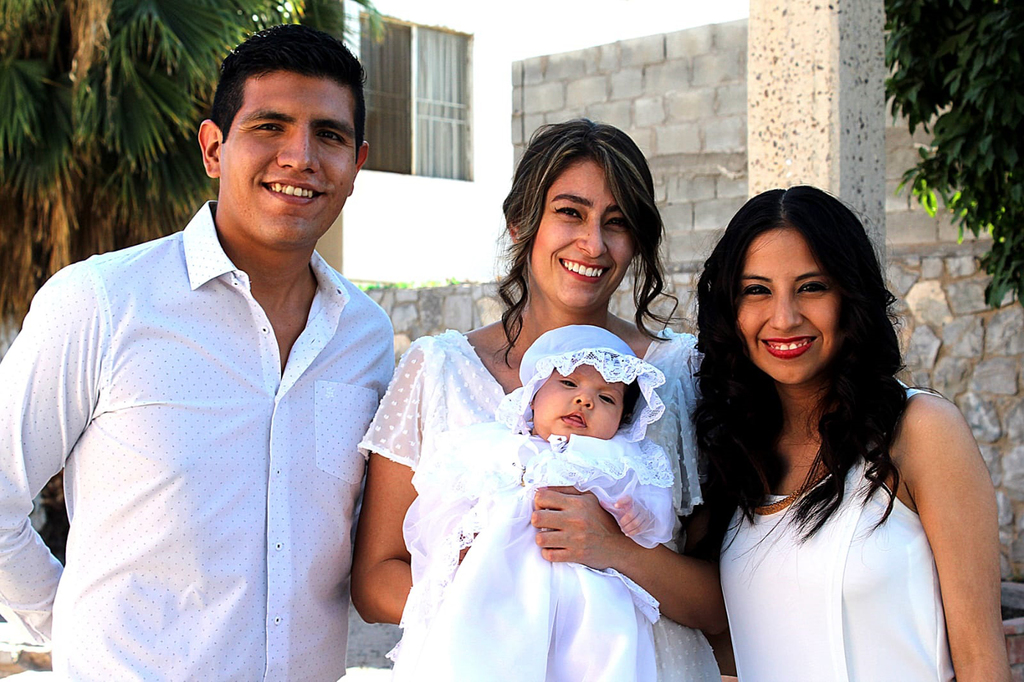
(264, 330)
(278, 472)
(277, 621)
(278, 546)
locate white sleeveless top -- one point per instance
(853, 603)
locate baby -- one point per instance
(501, 611)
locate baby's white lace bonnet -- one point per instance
(564, 349)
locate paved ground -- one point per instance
(367, 645)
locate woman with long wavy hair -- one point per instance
(859, 520)
(580, 213)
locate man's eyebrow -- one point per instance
(341, 126)
(271, 115)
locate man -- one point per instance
(204, 394)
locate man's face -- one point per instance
(288, 163)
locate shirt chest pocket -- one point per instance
(342, 412)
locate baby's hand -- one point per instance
(633, 518)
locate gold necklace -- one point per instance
(785, 502)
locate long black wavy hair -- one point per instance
(551, 151)
(739, 416)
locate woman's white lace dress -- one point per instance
(439, 389)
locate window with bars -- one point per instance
(417, 100)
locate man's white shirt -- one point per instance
(210, 495)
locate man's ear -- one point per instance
(210, 140)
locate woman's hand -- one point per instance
(572, 526)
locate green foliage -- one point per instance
(100, 101)
(956, 70)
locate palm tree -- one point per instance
(100, 101)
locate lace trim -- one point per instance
(515, 411)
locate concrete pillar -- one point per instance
(816, 101)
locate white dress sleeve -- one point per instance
(676, 355)
(395, 431)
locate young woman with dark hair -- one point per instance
(859, 520)
(581, 212)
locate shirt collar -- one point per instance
(205, 258)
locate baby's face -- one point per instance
(582, 403)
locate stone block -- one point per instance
(950, 375)
(406, 295)
(983, 419)
(927, 301)
(677, 139)
(608, 62)
(692, 246)
(431, 311)
(586, 91)
(727, 188)
(616, 113)
(949, 231)
(533, 70)
(997, 375)
(517, 129)
(402, 343)
(731, 100)
(565, 66)
(1006, 332)
(961, 266)
(563, 115)
(641, 51)
(727, 134)
(715, 214)
(911, 227)
(967, 296)
(517, 74)
(731, 36)
(923, 348)
(692, 189)
(488, 310)
(530, 124)
(677, 217)
(964, 337)
(661, 79)
(717, 68)
(1014, 420)
(544, 97)
(990, 455)
(457, 311)
(900, 278)
(689, 43)
(648, 111)
(1004, 508)
(690, 104)
(1013, 473)
(896, 200)
(627, 84)
(931, 268)
(644, 138)
(403, 317)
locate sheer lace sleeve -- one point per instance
(395, 430)
(439, 384)
(678, 358)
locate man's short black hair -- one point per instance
(287, 47)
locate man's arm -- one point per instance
(49, 383)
